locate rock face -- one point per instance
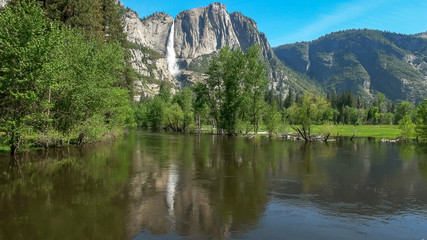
(149, 37)
(199, 33)
(365, 62)
(151, 32)
(202, 31)
(3, 2)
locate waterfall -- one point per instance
(170, 52)
(171, 192)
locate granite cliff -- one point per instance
(199, 33)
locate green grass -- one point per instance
(4, 148)
(377, 131)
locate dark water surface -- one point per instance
(159, 186)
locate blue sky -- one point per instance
(302, 20)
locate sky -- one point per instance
(302, 20)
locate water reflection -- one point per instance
(159, 186)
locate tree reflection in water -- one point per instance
(150, 185)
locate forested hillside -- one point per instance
(365, 62)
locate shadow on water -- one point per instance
(170, 186)
(68, 193)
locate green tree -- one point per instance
(156, 112)
(380, 101)
(141, 113)
(25, 47)
(54, 80)
(184, 99)
(165, 92)
(232, 78)
(255, 82)
(374, 115)
(86, 14)
(313, 109)
(112, 22)
(350, 115)
(174, 117)
(289, 100)
(403, 108)
(200, 104)
(272, 119)
(421, 120)
(215, 84)
(86, 75)
(407, 127)
(235, 88)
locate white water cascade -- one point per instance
(171, 192)
(170, 52)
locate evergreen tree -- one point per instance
(86, 14)
(113, 26)
(403, 108)
(421, 120)
(289, 100)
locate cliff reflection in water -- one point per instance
(162, 186)
(198, 186)
(219, 187)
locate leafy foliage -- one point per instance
(312, 110)
(236, 88)
(363, 61)
(421, 123)
(407, 127)
(55, 80)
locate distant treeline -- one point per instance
(66, 77)
(234, 100)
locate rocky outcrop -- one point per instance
(149, 37)
(151, 32)
(119, 3)
(150, 71)
(247, 33)
(3, 2)
(202, 31)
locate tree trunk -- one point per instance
(327, 137)
(303, 133)
(351, 139)
(198, 123)
(14, 144)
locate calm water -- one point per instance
(158, 186)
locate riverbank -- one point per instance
(37, 141)
(374, 131)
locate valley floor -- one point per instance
(376, 131)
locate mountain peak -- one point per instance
(364, 61)
(422, 35)
(3, 2)
(159, 16)
(217, 6)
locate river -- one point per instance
(173, 186)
